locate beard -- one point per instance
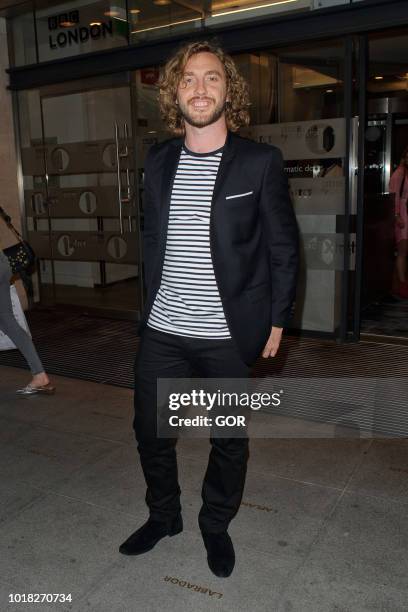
(197, 119)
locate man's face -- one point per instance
(202, 90)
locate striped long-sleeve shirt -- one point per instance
(188, 301)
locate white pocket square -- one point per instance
(238, 195)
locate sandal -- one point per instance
(30, 390)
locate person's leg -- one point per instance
(160, 356)
(12, 329)
(224, 480)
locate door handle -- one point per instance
(118, 172)
(128, 199)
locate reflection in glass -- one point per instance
(386, 138)
(21, 35)
(160, 18)
(297, 105)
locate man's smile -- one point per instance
(200, 103)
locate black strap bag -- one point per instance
(21, 256)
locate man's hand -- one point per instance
(272, 346)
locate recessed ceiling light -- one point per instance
(161, 2)
(134, 11)
(378, 78)
(329, 90)
(67, 24)
(95, 23)
(112, 13)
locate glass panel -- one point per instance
(229, 11)
(150, 128)
(80, 193)
(21, 35)
(386, 139)
(162, 18)
(80, 26)
(311, 83)
(297, 105)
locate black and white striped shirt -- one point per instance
(188, 301)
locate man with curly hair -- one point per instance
(221, 259)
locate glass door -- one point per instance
(384, 305)
(298, 98)
(81, 193)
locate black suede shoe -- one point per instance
(220, 553)
(147, 536)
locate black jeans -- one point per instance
(163, 355)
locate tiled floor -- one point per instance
(322, 527)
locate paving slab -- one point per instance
(358, 561)
(383, 471)
(60, 545)
(328, 462)
(77, 406)
(175, 576)
(276, 516)
(14, 497)
(43, 457)
(11, 430)
(114, 481)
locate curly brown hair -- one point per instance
(236, 108)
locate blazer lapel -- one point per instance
(169, 172)
(223, 169)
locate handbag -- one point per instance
(21, 256)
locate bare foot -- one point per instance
(40, 380)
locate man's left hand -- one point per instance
(274, 340)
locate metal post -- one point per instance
(348, 93)
(362, 113)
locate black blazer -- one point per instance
(253, 236)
